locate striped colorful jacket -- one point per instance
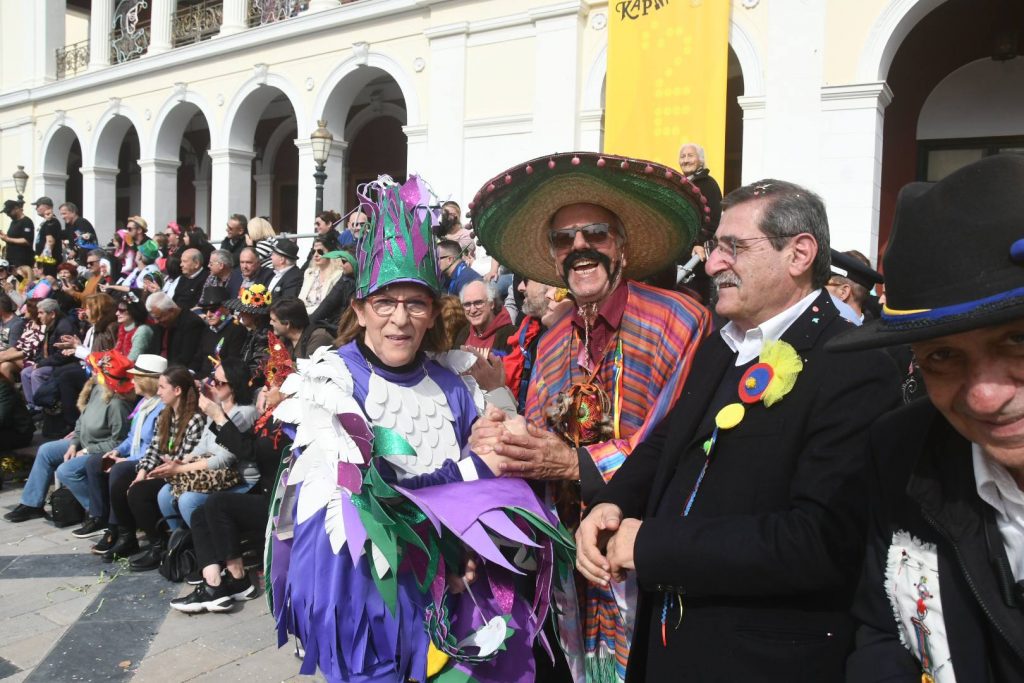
(659, 332)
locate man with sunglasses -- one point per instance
(92, 262)
(456, 273)
(742, 515)
(610, 370)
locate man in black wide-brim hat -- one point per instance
(941, 594)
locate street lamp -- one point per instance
(20, 180)
(321, 141)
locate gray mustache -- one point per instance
(727, 278)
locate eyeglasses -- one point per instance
(469, 305)
(210, 309)
(319, 252)
(385, 306)
(122, 310)
(596, 234)
(730, 246)
(219, 383)
(91, 263)
(360, 224)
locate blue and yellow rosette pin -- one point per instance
(767, 381)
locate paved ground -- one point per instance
(66, 616)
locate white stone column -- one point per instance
(41, 28)
(100, 19)
(556, 79)
(447, 111)
(851, 162)
(230, 186)
(416, 150)
(52, 185)
(591, 135)
(202, 210)
(337, 174)
(264, 193)
(307, 187)
(99, 188)
(159, 191)
(161, 23)
(235, 18)
(753, 137)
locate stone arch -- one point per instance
(329, 94)
(247, 106)
(109, 133)
(170, 123)
(887, 34)
(283, 133)
(57, 142)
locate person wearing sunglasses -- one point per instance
(222, 338)
(321, 276)
(456, 272)
(609, 371)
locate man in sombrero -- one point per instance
(607, 373)
(941, 597)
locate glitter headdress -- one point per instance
(397, 246)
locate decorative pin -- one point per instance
(814, 320)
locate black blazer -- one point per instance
(189, 289)
(922, 482)
(768, 557)
(288, 287)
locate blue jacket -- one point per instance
(124, 449)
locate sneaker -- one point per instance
(239, 589)
(194, 578)
(23, 513)
(204, 598)
(105, 543)
(92, 527)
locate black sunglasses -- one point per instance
(595, 234)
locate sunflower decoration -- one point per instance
(46, 260)
(253, 299)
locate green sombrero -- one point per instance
(660, 208)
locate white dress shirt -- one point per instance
(998, 489)
(747, 346)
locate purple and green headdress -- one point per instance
(398, 245)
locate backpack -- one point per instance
(180, 559)
(65, 510)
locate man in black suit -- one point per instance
(252, 272)
(192, 280)
(743, 515)
(287, 280)
(180, 331)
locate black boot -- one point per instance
(126, 545)
(107, 542)
(150, 559)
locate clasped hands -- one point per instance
(604, 545)
(511, 447)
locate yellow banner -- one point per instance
(668, 63)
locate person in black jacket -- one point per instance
(50, 356)
(692, 163)
(287, 280)
(941, 596)
(219, 526)
(50, 227)
(742, 514)
(328, 313)
(193, 279)
(222, 338)
(18, 237)
(180, 331)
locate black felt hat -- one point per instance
(213, 296)
(955, 261)
(286, 248)
(853, 269)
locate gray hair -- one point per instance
(700, 150)
(160, 301)
(48, 306)
(70, 206)
(225, 257)
(193, 255)
(490, 287)
(789, 210)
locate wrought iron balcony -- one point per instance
(72, 59)
(197, 22)
(271, 11)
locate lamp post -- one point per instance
(321, 139)
(20, 180)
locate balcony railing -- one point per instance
(72, 59)
(271, 11)
(197, 22)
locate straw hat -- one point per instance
(660, 209)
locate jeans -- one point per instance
(33, 377)
(48, 457)
(180, 510)
(72, 474)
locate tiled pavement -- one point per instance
(66, 616)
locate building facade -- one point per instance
(197, 109)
